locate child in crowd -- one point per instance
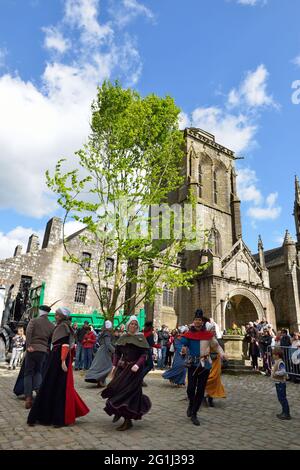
(18, 343)
(279, 375)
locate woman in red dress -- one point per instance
(57, 401)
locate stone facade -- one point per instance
(235, 287)
(47, 265)
(283, 264)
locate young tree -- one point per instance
(131, 163)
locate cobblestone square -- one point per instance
(246, 419)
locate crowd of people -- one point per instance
(119, 359)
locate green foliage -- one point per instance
(132, 160)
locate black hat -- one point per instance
(199, 313)
(45, 308)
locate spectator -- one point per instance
(163, 338)
(88, 344)
(265, 342)
(252, 339)
(79, 350)
(18, 343)
(296, 340)
(170, 348)
(279, 375)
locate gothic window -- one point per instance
(86, 260)
(215, 186)
(168, 297)
(215, 242)
(80, 294)
(109, 265)
(190, 164)
(200, 179)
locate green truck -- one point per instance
(96, 319)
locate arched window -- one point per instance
(200, 179)
(168, 297)
(80, 294)
(215, 242)
(86, 260)
(215, 187)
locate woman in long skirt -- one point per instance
(57, 402)
(102, 363)
(214, 386)
(177, 374)
(124, 392)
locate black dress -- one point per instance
(124, 392)
(57, 402)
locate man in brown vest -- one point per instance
(38, 337)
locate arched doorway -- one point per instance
(243, 306)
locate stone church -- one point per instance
(236, 287)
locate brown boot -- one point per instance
(28, 403)
(126, 425)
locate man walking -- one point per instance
(38, 337)
(197, 345)
(163, 338)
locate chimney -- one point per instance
(33, 244)
(18, 250)
(53, 232)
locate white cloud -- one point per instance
(252, 3)
(83, 14)
(40, 124)
(184, 121)
(54, 40)
(72, 226)
(17, 236)
(233, 131)
(124, 11)
(270, 211)
(262, 208)
(246, 186)
(296, 61)
(253, 90)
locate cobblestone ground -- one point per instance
(245, 420)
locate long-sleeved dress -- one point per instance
(177, 373)
(102, 363)
(57, 401)
(124, 392)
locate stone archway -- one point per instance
(245, 307)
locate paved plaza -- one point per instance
(245, 420)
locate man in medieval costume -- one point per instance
(197, 343)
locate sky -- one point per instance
(232, 66)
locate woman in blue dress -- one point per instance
(176, 375)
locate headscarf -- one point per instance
(183, 328)
(44, 310)
(108, 324)
(209, 326)
(63, 311)
(133, 318)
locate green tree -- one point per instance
(131, 162)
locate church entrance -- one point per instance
(240, 310)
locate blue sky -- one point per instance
(229, 64)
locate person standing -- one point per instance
(214, 386)
(18, 343)
(79, 347)
(197, 344)
(88, 345)
(177, 374)
(102, 363)
(252, 339)
(279, 375)
(149, 335)
(124, 393)
(57, 402)
(265, 342)
(163, 338)
(38, 337)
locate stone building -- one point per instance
(66, 282)
(283, 264)
(236, 286)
